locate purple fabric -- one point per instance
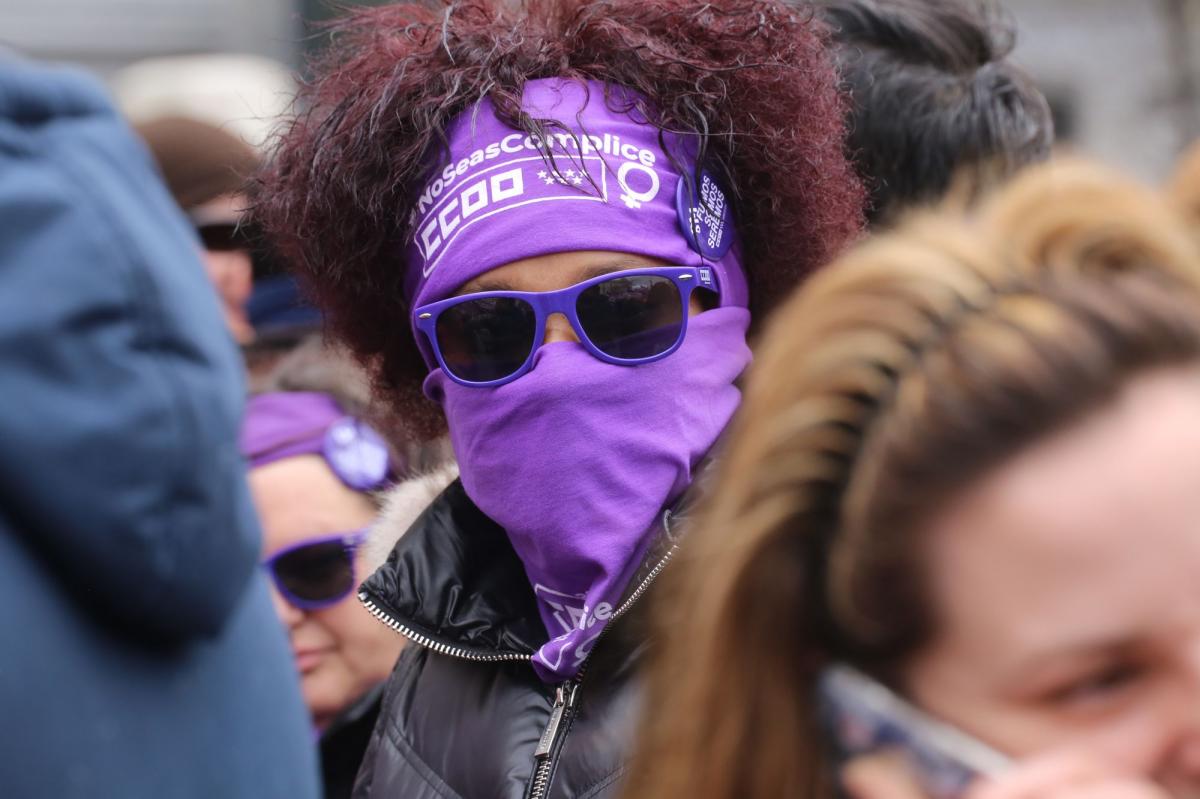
(284, 424)
(494, 200)
(577, 459)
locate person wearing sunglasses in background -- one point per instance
(966, 470)
(558, 221)
(205, 169)
(317, 473)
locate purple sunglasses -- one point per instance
(627, 318)
(316, 573)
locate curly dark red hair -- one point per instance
(751, 77)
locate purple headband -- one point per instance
(290, 423)
(496, 200)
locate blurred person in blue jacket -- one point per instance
(142, 657)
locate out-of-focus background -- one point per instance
(1122, 75)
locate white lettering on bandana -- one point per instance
(462, 195)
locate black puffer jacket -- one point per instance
(463, 713)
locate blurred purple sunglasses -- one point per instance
(627, 318)
(316, 573)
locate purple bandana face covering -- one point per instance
(577, 458)
(590, 453)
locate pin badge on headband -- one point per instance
(356, 453)
(704, 215)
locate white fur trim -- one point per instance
(402, 504)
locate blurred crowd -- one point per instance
(594, 398)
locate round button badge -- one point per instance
(704, 215)
(357, 454)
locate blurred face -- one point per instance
(340, 651)
(1067, 587)
(229, 267)
(230, 273)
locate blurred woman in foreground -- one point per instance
(967, 467)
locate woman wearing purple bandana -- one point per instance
(549, 227)
(318, 469)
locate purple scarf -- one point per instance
(577, 459)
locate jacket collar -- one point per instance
(454, 582)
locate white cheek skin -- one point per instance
(1085, 548)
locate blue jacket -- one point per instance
(140, 656)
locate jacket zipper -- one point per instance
(565, 695)
(427, 642)
(544, 756)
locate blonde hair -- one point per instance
(1183, 187)
(894, 378)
